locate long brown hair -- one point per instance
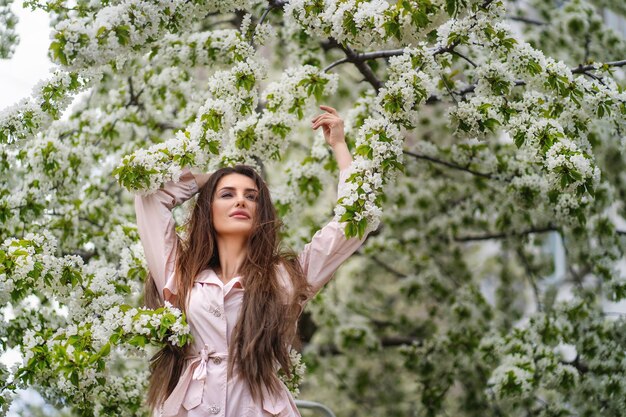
(267, 321)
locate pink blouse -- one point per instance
(204, 388)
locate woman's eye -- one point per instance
(250, 197)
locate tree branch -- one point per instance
(549, 228)
(362, 57)
(449, 90)
(449, 164)
(389, 341)
(457, 53)
(134, 98)
(272, 4)
(531, 278)
(387, 268)
(526, 20)
(584, 68)
(363, 68)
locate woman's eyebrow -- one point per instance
(232, 188)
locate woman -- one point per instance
(242, 296)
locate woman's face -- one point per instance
(234, 205)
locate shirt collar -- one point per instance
(208, 276)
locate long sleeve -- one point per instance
(327, 250)
(157, 231)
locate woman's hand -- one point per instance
(331, 124)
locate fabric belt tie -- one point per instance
(188, 391)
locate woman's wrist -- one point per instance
(342, 155)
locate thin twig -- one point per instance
(445, 84)
(361, 57)
(526, 20)
(587, 42)
(457, 53)
(264, 15)
(470, 238)
(531, 279)
(584, 68)
(448, 164)
(387, 267)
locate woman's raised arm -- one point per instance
(156, 226)
(329, 247)
(327, 250)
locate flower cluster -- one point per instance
(117, 32)
(217, 47)
(370, 23)
(146, 170)
(579, 24)
(377, 160)
(75, 350)
(30, 263)
(227, 125)
(76, 356)
(50, 99)
(232, 95)
(287, 100)
(298, 369)
(303, 184)
(408, 87)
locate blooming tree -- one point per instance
(481, 131)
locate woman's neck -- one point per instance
(232, 252)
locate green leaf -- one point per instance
(244, 80)
(349, 24)
(392, 27)
(348, 215)
(57, 49)
(520, 138)
(122, 33)
(365, 150)
(138, 340)
(362, 225)
(280, 129)
(351, 230)
(452, 7)
(245, 138)
(212, 120)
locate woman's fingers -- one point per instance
(323, 120)
(325, 115)
(329, 109)
(326, 122)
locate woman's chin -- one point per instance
(243, 230)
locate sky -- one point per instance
(30, 64)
